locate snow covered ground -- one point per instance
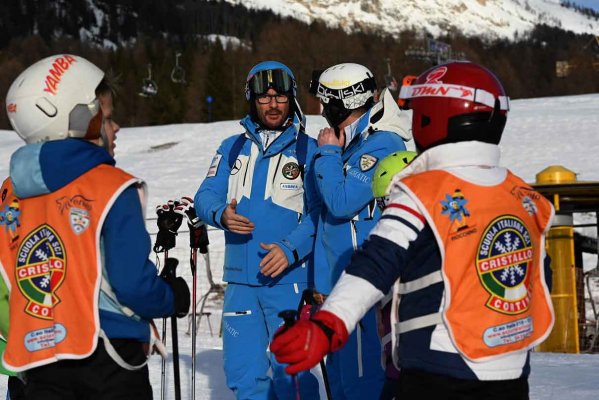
(174, 159)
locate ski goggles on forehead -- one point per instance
(479, 96)
(277, 79)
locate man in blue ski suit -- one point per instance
(261, 193)
(361, 133)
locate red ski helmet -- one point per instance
(456, 102)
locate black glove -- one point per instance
(168, 223)
(178, 285)
(198, 234)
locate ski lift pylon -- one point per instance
(178, 73)
(148, 86)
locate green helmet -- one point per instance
(387, 168)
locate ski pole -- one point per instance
(175, 342)
(309, 298)
(193, 263)
(168, 223)
(289, 317)
(170, 265)
(163, 363)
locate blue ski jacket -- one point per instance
(344, 178)
(273, 193)
(130, 279)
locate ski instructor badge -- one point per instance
(367, 162)
(79, 220)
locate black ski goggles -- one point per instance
(277, 79)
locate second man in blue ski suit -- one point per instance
(260, 193)
(361, 133)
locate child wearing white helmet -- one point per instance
(75, 259)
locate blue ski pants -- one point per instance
(356, 371)
(250, 320)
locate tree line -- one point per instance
(217, 68)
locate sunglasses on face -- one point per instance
(267, 98)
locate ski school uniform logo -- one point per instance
(79, 220)
(527, 197)
(503, 263)
(367, 162)
(41, 269)
(79, 212)
(454, 206)
(290, 170)
(9, 217)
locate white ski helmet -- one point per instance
(54, 98)
(343, 88)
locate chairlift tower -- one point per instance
(563, 68)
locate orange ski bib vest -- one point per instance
(491, 240)
(52, 263)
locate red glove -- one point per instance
(306, 343)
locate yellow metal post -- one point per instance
(560, 247)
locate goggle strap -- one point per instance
(364, 86)
(461, 92)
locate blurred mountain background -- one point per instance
(198, 52)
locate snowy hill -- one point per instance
(490, 18)
(174, 159)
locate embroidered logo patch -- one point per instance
(214, 165)
(367, 162)
(236, 167)
(79, 220)
(291, 186)
(527, 197)
(79, 208)
(9, 217)
(290, 170)
(41, 269)
(454, 206)
(503, 263)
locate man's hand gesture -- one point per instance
(234, 222)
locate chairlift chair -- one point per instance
(148, 86)
(178, 73)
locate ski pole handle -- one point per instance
(289, 317)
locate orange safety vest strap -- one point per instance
(496, 298)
